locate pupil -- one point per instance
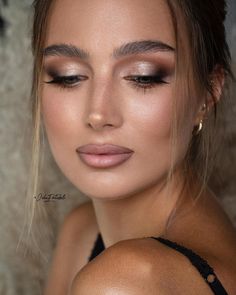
(145, 79)
(72, 79)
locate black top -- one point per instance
(205, 270)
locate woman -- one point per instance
(128, 95)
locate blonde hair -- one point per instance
(206, 47)
(40, 18)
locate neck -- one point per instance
(144, 214)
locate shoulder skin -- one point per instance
(139, 267)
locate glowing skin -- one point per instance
(104, 107)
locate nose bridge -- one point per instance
(102, 107)
(100, 94)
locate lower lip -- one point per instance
(104, 161)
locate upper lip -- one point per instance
(103, 149)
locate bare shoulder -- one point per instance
(72, 248)
(140, 266)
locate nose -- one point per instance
(103, 109)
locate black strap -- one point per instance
(203, 267)
(98, 247)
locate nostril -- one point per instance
(97, 121)
(97, 126)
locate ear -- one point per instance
(216, 83)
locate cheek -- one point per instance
(151, 123)
(60, 114)
(152, 118)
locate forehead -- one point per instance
(98, 26)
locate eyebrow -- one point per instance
(131, 48)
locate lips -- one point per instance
(103, 156)
(105, 149)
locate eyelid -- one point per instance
(60, 68)
(148, 65)
(54, 73)
(150, 71)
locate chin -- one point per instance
(114, 190)
(105, 194)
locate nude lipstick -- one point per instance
(103, 156)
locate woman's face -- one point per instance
(98, 103)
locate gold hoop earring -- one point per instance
(198, 128)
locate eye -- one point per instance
(67, 81)
(146, 82)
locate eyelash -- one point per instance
(144, 86)
(66, 81)
(69, 81)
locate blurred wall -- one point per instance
(19, 274)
